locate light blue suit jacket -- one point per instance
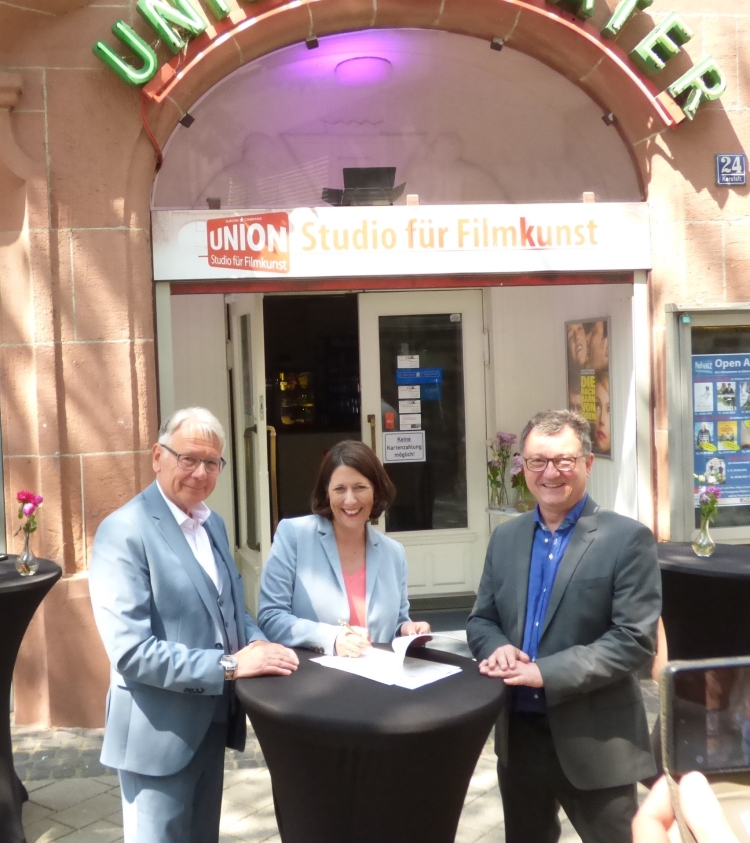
(302, 592)
(164, 636)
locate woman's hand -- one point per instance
(415, 628)
(352, 644)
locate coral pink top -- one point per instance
(355, 594)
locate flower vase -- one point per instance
(498, 496)
(525, 501)
(703, 544)
(27, 564)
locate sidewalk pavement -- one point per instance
(73, 799)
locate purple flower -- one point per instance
(505, 439)
(517, 465)
(703, 498)
(29, 509)
(713, 490)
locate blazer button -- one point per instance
(219, 645)
(226, 624)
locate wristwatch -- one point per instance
(229, 663)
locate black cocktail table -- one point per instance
(354, 761)
(705, 600)
(19, 599)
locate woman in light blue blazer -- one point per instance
(332, 565)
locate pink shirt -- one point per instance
(355, 593)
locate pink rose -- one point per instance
(29, 509)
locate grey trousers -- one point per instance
(181, 808)
(533, 787)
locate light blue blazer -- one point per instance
(164, 636)
(302, 592)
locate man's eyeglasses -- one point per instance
(565, 463)
(189, 463)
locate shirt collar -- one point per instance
(199, 513)
(570, 519)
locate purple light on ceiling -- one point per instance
(363, 71)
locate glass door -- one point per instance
(253, 439)
(423, 410)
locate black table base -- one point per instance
(705, 601)
(368, 763)
(19, 599)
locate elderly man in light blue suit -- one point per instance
(169, 604)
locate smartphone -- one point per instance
(705, 726)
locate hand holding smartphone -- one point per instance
(705, 719)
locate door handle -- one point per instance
(373, 443)
(274, 479)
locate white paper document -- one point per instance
(394, 668)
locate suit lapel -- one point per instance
(221, 550)
(372, 564)
(583, 535)
(167, 525)
(521, 554)
(328, 540)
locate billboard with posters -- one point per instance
(587, 344)
(721, 424)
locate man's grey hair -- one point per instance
(551, 422)
(198, 418)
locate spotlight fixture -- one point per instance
(214, 203)
(187, 120)
(609, 118)
(311, 42)
(497, 44)
(365, 186)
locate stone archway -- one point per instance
(558, 39)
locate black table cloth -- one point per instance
(706, 601)
(355, 761)
(19, 599)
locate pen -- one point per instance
(350, 629)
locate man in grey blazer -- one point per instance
(169, 604)
(566, 613)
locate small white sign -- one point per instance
(412, 421)
(407, 361)
(404, 447)
(409, 391)
(410, 406)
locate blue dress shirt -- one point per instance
(547, 551)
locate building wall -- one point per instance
(78, 393)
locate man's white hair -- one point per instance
(198, 418)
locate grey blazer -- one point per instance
(164, 635)
(599, 629)
(302, 591)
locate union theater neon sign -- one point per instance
(177, 22)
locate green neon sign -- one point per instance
(176, 22)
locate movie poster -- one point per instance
(587, 344)
(721, 425)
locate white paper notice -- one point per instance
(392, 668)
(410, 421)
(404, 447)
(407, 361)
(410, 406)
(409, 391)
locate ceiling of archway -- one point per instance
(460, 122)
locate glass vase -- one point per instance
(498, 496)
(27, 564)
(703, 544)
(525, 501)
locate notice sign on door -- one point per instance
(404, 447)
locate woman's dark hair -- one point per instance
(358, 456)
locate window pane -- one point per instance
(432, 494)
